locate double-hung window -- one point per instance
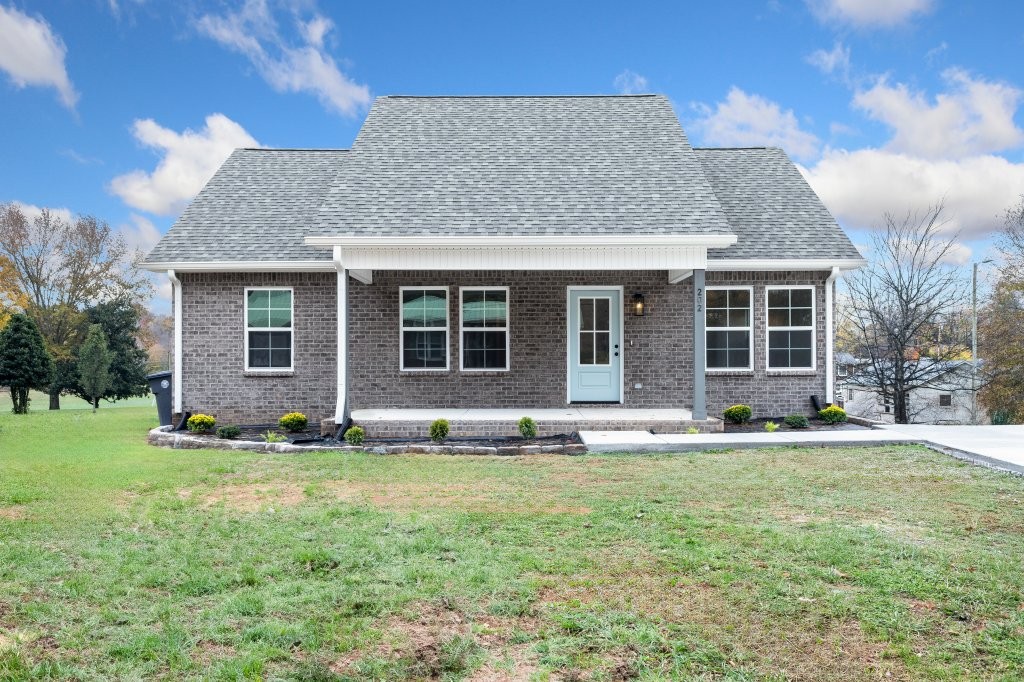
(790, 327)
(727, 321)
(484, 328)
(424, 336)
(269, 334)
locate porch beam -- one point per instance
(700, 407)
(677, 276)
(364, 276)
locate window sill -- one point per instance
(729, 372)
(792, 372)
(269, 373)
(423, 372)
(482, 372)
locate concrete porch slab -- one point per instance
(408, 423)
(642, 441)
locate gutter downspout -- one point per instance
(341, 404)
(177, 377)
(830, 365)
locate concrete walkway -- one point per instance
(1001, 446)
(642, 441)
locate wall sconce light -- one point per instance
(638, 305)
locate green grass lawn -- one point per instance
(123, 561)
(41, 401)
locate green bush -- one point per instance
(200, 423)
(355, 435)
(738, 414)
(832, 415)
(229, 432)
(796, 421)
(439, 429)
(293, 421)
(693, 430)
(273, 437)
(527, 427)
(771, 427)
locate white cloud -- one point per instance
(630, 83)
(744, 120)
(307, 67)
(32, 211)
(32, 54)
(834, 62)
(190, 158)
(868, 13)
(859, 187)
(958, 254)
(974, 116)
(140, 234)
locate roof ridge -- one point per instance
(623, 96)
(733, 149)
(294, 149)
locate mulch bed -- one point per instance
(757, 425)
(311, 436)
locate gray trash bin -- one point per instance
(161, 384)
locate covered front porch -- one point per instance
(472, 422)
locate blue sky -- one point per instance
(123, 108)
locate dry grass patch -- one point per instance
(249, 497)
(15, 513)
(484, 497)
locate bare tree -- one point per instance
(63, 267)
(897, 305)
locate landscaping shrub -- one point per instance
(771, 427)
(796, 421)
(832, 415)
(693, 430)
(200, 423)
(273, 437)
(439, 429)
(527, 427)
(738, 414)
(293, 421)
(355, 435)
(229, 432)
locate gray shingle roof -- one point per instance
(521, 166)
(772, 210)
(258, 206)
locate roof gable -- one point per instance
(521, 166)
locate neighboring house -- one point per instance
(948, 401)
(504, 252)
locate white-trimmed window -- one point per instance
(790, 327)
(728, 327)
(424, 336)
(483, 328)
(269, 330)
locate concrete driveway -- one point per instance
(999, 445)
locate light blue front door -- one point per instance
(595, 353)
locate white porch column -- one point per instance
(341, 406)
(700, 408)
(176, 379)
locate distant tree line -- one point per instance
(71, 309)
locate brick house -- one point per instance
(511, 254)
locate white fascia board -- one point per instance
(243, 266)
(711, 241)
(736, 264)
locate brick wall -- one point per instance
(657, 348)
(215, 381)
(776, 393)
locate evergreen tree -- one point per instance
(24, 362)
(94, 360)
(119, 319)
